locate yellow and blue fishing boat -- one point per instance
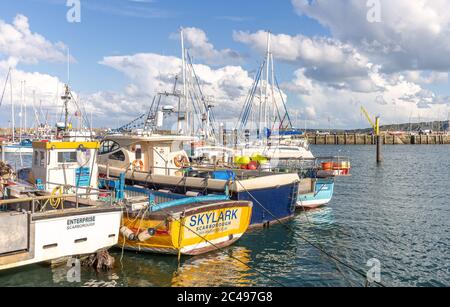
(168, 223)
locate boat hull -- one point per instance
(42, 237)
(321, 196)
(274, 197)
(271, 205)
(191, 230)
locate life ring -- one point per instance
(180, 161)
(138, 165)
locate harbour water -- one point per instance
(398, 213)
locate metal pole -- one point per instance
(183, 63)
(13, 116)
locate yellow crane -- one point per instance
(376, 130)
(375, 125)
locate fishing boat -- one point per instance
(168, 223)
(160, 162)
(55, 213)
(53, 210)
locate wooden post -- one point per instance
(379, 145)
(378, 140)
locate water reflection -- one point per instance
(216, 269)
(210, 270)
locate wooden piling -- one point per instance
(379, 145)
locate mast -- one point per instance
(66, 98)
(13, 115)
(21, 110)
(272, 85)
(68, 65)
(183, 69)
(25, 108)
(267, 81)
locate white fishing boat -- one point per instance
(56, 213)
(54, 209)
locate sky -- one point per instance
(330, 57)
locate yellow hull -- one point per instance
(188, 230)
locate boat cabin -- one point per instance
(61, 163)
(153, 154)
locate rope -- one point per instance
(310, 224)
(231, 256)
(318, 247)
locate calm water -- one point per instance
(398, 213)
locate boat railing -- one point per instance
(43, 201)
(279, 166)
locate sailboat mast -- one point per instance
(21, 110)
(13, 115)
(183, 63)
(267, 81)
(25, 109)
(272, 86)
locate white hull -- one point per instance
(311, 204)
(16, 150)
(69, 233)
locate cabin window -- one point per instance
(138, 152)
(108, 147)
(41, 158)
(118, 156)
(67, 157)
(36, 158)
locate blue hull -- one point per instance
(279, 203)
(323, 193)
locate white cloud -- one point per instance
(396, 100)
(201, 48)
(18, 41)
(412, 35)
(152, 73)
(324, 59)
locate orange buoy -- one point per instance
(327, 166)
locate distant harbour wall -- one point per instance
(367, 139)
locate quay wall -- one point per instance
(367, 139)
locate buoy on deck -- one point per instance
(127, 233)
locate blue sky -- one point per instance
(329, 58)
(103, 32)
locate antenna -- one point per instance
(66, 97)
(68, 65)
(183, 63)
